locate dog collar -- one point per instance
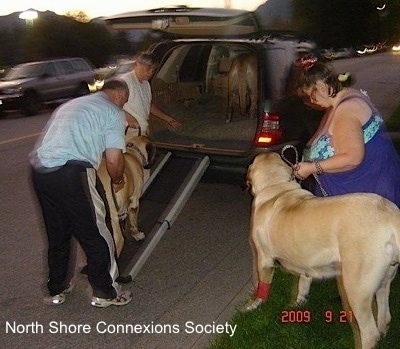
(142, 156)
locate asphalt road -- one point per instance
(378, 75)
(190, 284)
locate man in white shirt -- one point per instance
(140, 104)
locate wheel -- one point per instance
(31, 103)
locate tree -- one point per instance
(10, 40)
(79, 16)
(55, 36)
(122, 44)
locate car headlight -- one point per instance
(13, 90)
(396, 47)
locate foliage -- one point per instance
(11, 50)
(122, 45)
(52, 35)
(79, 16)
(63, 36)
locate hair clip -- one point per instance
(343, 76)
(306, 62)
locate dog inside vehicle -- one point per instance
(355, 237)
(124, 205)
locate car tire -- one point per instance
(31, 103)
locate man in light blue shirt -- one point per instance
(64, 163)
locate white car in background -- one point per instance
(28, 86)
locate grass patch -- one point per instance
(321, 324)
(326, 329)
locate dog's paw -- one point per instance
(301, 301)
(139, 236)
(252, 304)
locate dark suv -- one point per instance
(28, 85)
(196, 84)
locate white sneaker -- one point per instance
(59, 298)
(122, 299)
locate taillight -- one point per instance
(271, 132)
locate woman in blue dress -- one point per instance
(350, 150)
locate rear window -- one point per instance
(80, 65)
(66, 67)
(51, 69)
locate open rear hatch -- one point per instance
(183, 21)
(192, 81)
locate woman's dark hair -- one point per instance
(309, 70)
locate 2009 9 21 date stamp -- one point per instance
(300, 316)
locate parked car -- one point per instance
(104, 74)
(27, 86)
(396, 47)
(338, 53)
(193, 85)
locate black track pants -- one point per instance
(73, 204)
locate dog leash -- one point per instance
(295, 166)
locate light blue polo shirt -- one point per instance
(81, 129)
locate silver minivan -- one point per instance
(27, 86)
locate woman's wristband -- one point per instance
(296, 173)
(318, 167)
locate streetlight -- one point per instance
(29, 45)
(29, 16)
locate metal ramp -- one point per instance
(164, 196)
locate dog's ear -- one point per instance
(151, 154)
(246, 185)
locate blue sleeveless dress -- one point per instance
(379, 172)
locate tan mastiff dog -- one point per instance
(355, 237)
(124, 205)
